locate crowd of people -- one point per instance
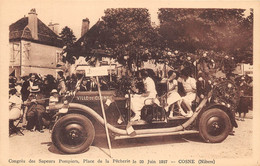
(30, 95)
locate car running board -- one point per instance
(143, 122)
(177, 117)
(118, 137)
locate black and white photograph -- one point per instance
(129, 82)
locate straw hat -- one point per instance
(35, 89)
(54, 91)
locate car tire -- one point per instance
(73, 133)
(214, 125)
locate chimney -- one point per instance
(33, 23)
(85, 26)
(55, 27)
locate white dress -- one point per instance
(190, 88)
(173, 95)
(137, 101)
(15, 110)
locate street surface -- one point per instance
(35, 145)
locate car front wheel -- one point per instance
(214, 125)
(73, 133)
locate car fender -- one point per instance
(229, 112)
(85, 110)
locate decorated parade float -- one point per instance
(79, 113)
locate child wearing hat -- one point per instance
(54, 98)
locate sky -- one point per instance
(71, 14)
(65, 13)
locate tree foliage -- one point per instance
(220, 30)
(124, 33)
(128, 34)
(68, 39)
(225, 35)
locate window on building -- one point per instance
(15, 50)
(58, 57)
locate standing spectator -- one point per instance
(188, 65)
(27, 85)
(93, 84)
(244, 101)
(48, 85)
(18, 86)
(203, 63)
(243, 106)
(61, 83)
(85, 85)
(12, 81)
(203, 87)
(71, 82)
(104, 83)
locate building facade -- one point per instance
(34, 47)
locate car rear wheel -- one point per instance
(214, 125)
(73, 133)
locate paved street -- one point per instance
(34, 145)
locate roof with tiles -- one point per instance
(19, 31)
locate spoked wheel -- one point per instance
(214, 125)
(73, 133)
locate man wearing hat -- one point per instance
(244, 101)
(85, 85)
(27, 86)
(61, 83)
(35, 108)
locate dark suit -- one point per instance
(84, 87)
(24, 91)
(203, 87)
(35, 112)
(93, 86)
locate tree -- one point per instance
(220, 30)
(68, 39)
(128, 33)
(245, 49)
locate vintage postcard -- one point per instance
(156, 82)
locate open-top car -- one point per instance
(80, 112)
